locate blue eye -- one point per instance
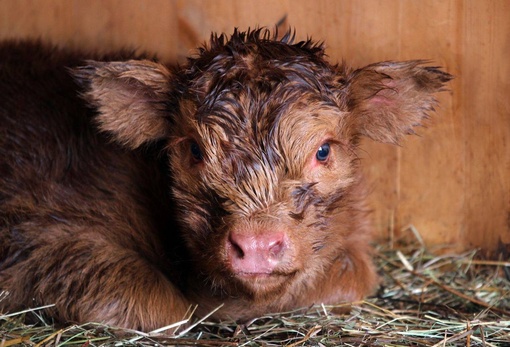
(196, 152)
(323, 152)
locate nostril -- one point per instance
(235, 249)
(276, 248)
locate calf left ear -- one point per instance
(130, 98)
(386, 100)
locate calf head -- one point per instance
(261, 137)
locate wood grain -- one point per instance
(452, 182)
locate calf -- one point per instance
(130, 190)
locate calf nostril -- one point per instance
(235, 249)
(276, 248)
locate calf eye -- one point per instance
(196, 152)
(323, 152)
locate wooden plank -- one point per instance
(485, 91)
(431, 195)
(197, 19)
(94, 24)
(452, 183)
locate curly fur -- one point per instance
(130, 190)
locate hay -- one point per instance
(424, 300)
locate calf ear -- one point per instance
(386, 100)
(130, 98)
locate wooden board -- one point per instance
(452, 183)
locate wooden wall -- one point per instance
(452, 183)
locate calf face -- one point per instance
(260, 136)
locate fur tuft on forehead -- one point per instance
(261, 41)
(257, 56)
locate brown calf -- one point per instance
(230, 180)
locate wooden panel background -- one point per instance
(452, 183)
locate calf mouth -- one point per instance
(260, 284)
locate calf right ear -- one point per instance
(130, 97)
(387, 100)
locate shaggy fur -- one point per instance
(232, 179)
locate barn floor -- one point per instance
(424, 300)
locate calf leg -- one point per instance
(87, 276)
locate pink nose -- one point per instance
(256, 254)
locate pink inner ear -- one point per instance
(386, 96)
(380, 100)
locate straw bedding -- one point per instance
(424, 300)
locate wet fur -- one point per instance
(108, 214)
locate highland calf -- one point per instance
(130, 190)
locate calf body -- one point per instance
(130, 190)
